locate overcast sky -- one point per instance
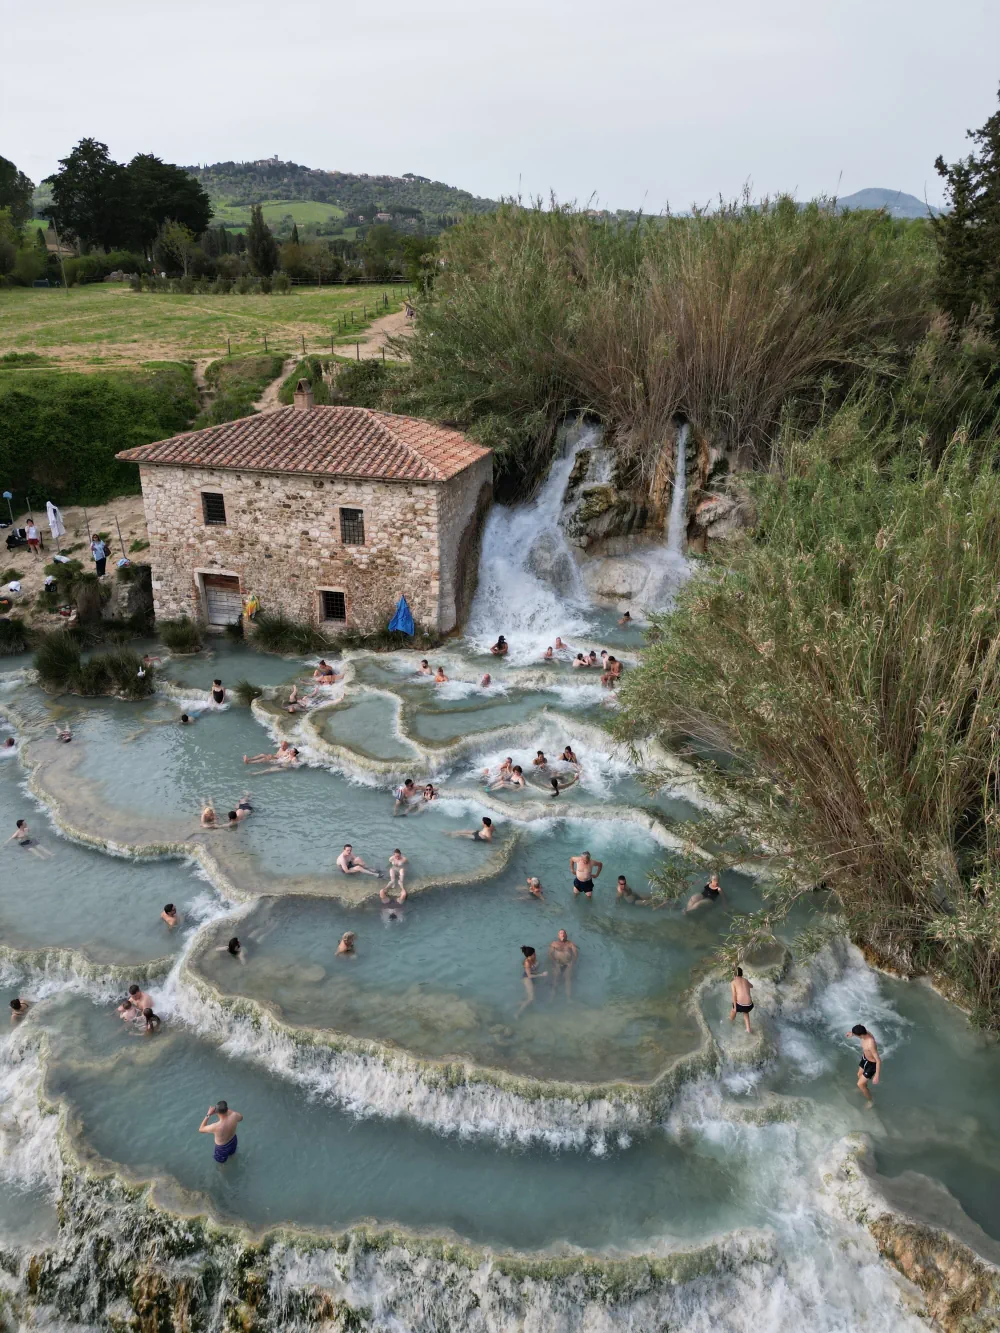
(639, 103)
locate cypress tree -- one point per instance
(295, 234)
(261, 245)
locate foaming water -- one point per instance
(530, 589)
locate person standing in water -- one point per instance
(529, 974)
(223, 1130)
(870, 1064)
(501, 647)
(585, 871)
(218, 692)
(740, 990)
(563, 954)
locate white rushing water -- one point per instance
(668, 563)
(530, 588)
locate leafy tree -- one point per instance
(15, 192)
(88, 195)
(10, 238)
(968, 236)
(261, 245)
(175, 247)
(157, 191)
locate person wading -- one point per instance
(224, 1130)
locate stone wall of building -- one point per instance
(282, 540)
(462, 508)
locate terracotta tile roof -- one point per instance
(321, 441)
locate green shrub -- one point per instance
(275, 633)
(65, 428)
(237, 383)
(123, 669)
(311, 368)
(57, 660)
(246, 692)
(9, 575)
(180, 636)
(91, 678)
(140, 544)
(14, 636)
(365, 384)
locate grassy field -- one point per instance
(108, 325)
(274, 210)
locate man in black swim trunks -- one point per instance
(585, 871)
(740, 990)
(870, 1064)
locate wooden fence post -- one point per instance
(265, 342)
(303, 344)
(229, 347)
(357, 351)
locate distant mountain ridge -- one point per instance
(269, 179)
(897, 203)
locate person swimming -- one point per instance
(580, 661)
(534, 887)
(482, 834)
(22, 836)
(568, 757)
(9, 743)
(559, 784)
(626, 618)
(325, 673)
(282, 749)
(153, 1021)
(18, 1009)
(548, 655)
(346, 944)
(539, 760)
(424, 668)
(208, 815)
(170, 915)
(218, 692)
(186, 722)
(560, 646)
(500, 648)
(439, 677)
(139, 997)
(711, 893)
(485, 683)
(129, 1012)
(403, 795)
(243, 806)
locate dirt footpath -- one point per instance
(371, 342)
(30, 569)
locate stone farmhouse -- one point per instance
(326, 514)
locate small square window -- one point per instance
(352, 527)
(214, 508)
(334, 605)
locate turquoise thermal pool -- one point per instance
(416, 1084)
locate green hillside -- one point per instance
(311, 196)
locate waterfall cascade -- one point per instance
(529, 585)
(677, 522)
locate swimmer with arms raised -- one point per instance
(224, 1130)
(585, 871)
(870, 1064)
(740, 989)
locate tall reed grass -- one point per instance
(847, 659)
(724, 319)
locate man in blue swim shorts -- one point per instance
(224, 1130)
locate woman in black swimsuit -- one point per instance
(711, 893)
(218, 693)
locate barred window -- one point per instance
(214, 508)
(334, 605)
(352, 527)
